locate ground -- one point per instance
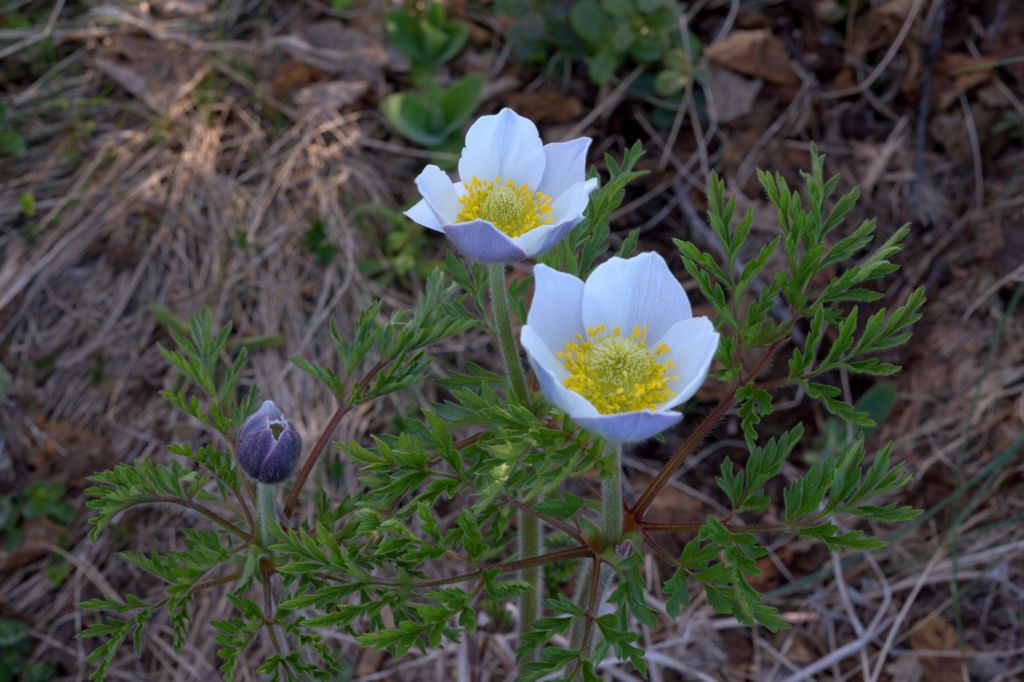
(159, 157)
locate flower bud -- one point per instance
(268, 445)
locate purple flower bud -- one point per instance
(268, 445)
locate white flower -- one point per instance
(618, 351)
(516, 197)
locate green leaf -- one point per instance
(677, 592)
(590, 22)
(459, 100)
(415, 117)
(603, 66)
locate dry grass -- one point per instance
(177, 159)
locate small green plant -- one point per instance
(434, 115)
(318, 243)
(609, 35)
(12, 143)
(426, 36)
(680, 69)
(15, 648)
(876, 402)
(402, 244)
(37, 501)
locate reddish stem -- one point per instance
(314, 455)
(696, 437)
(550, 520)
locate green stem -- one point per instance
(530, 546)
(266, 511)
(530, 541)
(611, 498)
(503, 330)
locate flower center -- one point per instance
(513, 209)
(618, 373)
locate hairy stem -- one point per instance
(503, 330)
(266, 512)
(611, 498)
(530, 541)
(529, 547)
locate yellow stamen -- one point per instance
(513, 209)
(618, 373)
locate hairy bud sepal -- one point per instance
(268, 445)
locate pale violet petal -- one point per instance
(555, 311)
(571, 203)
(504, 145)
(692, 344)
(424, 215)
(565, 164)
(591, 185)
(481, 241)
(635, 292)
(629, 427)
(436, 188)
(550, 373)
(260, 418)
(540, 239)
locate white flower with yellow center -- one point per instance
(619, 351)
(516, 197)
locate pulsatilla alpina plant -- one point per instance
(464, 506)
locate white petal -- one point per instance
(565, 165)
(629, 427)
(592, 184)
(555, 312)
(692, 346)
(504, 145)
(424, 215)
(635, 292)
(436, 188)
(570, 203)
(550, 373)
(540, 239)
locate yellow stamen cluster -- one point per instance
(513, 209)
(618, 373)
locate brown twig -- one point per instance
(658, 549)
(592, 606)
(268, 615)
(205, 511)
(773, 384)
(510, 566)
(214, 582)
(245, 508)
(651, 527)
(550, 520)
